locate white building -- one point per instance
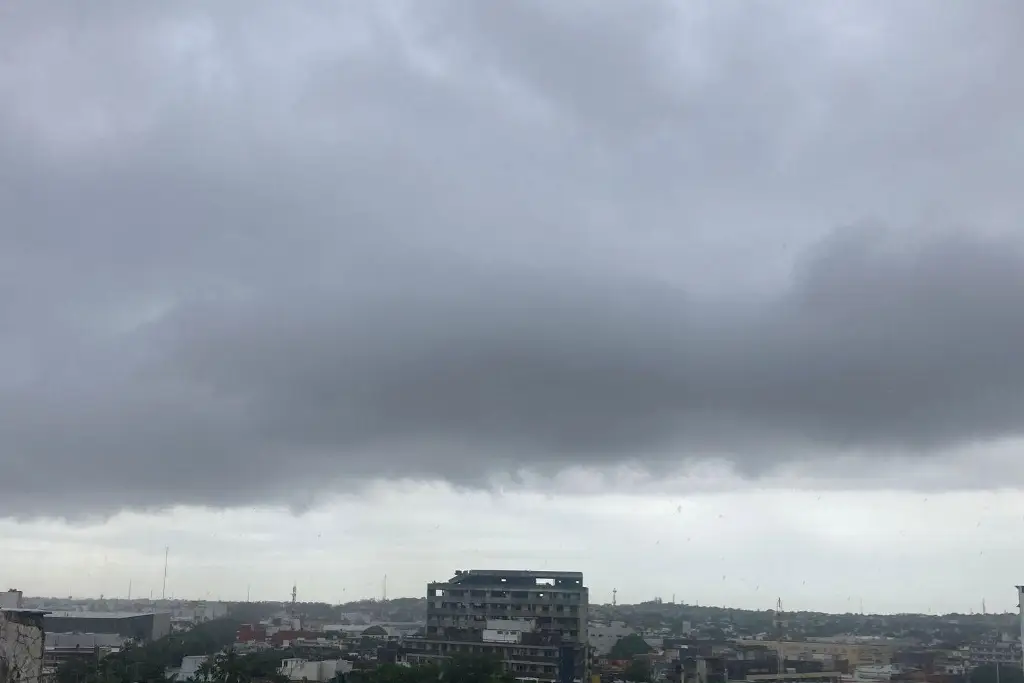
(22, 643)
(189, 667)
(507, 630)
(876, 672)
(296, 669)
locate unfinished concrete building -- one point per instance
(10, 599)
(22, 640)
(534, 622)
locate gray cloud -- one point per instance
(246, 252)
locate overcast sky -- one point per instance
(404, 287)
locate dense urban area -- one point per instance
(489, 626)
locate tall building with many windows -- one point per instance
(534, 622)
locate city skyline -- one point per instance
(667, 534)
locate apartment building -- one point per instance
(534, 622)
(859, 653)
(992, 653)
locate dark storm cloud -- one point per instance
(246, 252)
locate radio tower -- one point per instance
(779, 635)
(295, 591)
(615, 592)
(163, 591)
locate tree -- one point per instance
(393, 673)
(231, 667)
(205, 673)
(986, 673)
(638, 671)
(630, 646)
(456, 670)
(149, 661)
(475, 670)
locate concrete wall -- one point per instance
(143, 627)
(21, 646)
(161, 625)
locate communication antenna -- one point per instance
(163, 591)
(615, 592)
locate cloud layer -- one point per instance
(247, 254)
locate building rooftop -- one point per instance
(23, 610)
(80, 640)
(517, 577)
(542, 574)
(74, 614)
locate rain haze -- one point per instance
(401, 287)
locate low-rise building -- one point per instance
(859, 653)
(602, 637)
(296, 669)
(1002, 652)
(84, 647)
(137, 626)
(188, 669)
(201, 611)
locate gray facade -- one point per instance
(544, 635)
(141, 627)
